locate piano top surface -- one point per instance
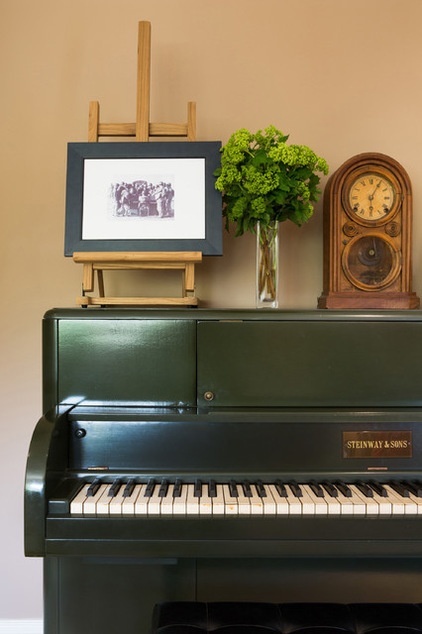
(234, 313)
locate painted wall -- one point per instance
(342, 77)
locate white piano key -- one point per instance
(154, 501)
(128, 505)
(358, 505)
(256, 502)
(243, 503)
(384, 504)
(320, 505)
(167, 501)
(192, 502)
(346, 504)
(333, 503)
(231, 505)
(218, 503)
(91, 502)
(116, 502)
(103, 502)
(205, 502)
(410, 506)
(141, 503)
(295, 506)
(269, 504)
(418, 501)
(281, 503)
(180, 501)
(77, 504)
(308, 505)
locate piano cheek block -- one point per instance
(288, 618)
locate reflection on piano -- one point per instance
(224, 455)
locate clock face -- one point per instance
(371, 198)
(371, 262)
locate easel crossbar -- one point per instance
(167, 260)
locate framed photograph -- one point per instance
(156, 196)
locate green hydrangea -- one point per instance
(263, 179)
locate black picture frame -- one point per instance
(134, 196)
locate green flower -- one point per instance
(263, 179)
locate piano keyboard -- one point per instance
(164, 498)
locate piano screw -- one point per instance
(80, 433)
(209, 396)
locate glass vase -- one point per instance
(267, 265)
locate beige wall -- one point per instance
(343, 77)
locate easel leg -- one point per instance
(100, 283)
(144, 72)
(93, 121)
(88, 278)
(188, 279)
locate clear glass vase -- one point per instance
(267, 265)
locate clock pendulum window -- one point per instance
(368, 236)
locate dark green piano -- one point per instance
(228, 455)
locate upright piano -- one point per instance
(224, 455)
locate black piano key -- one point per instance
(260, 489)
(365, 489)
(280, 488)
(150, 488)
(163, 490)
(177, 489)
(296, 490)
(93, 487)
(246, 486)
(114, 489)
(233, 489)
(330, 489)
(212, 489)
(128, 490)
(197, 489)
(400, 488)
(344, 489)
(378, 488)
(415, 487)
(317, 489)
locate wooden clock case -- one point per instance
(341, 226)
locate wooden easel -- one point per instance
(142, 130)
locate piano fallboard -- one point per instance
(246, 441)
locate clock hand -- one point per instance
(373, 251)
(371, 196)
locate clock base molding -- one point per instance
(351, 300)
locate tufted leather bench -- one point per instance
(286, 618)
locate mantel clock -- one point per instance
(367, 236)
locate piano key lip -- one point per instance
(232, 537)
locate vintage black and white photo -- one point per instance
(157, 196)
